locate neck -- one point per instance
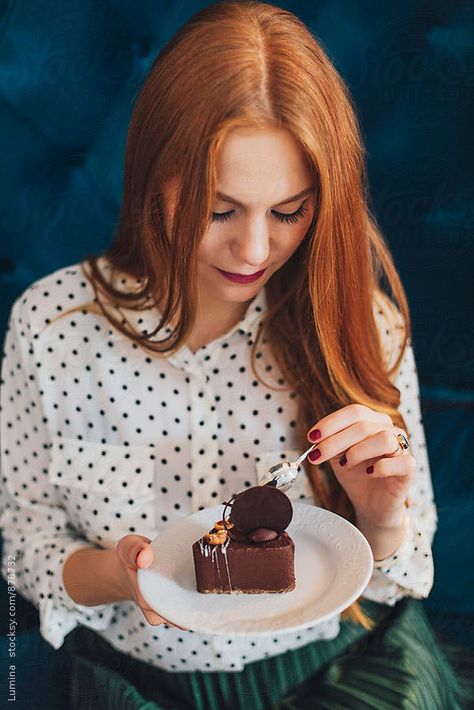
(213, 319)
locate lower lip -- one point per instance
(240, 278)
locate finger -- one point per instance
(344, 417)
(129, 547)
(378, 444)
(156, 619)
(172, 623)
(403, 466)
(144, 557)
(150, 614)
(338, 444)
(135, 552)
(130, 539)
(152, 617)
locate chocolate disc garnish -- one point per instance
(261, 507)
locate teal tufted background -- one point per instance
(69, 74)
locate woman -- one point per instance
(238, 314)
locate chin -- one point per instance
(238, 293)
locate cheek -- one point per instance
(290, 239)
(212, 251)
(209, 248)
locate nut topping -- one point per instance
(216, 538)
(222, 525)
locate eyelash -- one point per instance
(287, 218)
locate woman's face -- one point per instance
(263, 207)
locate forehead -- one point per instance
(261, 165)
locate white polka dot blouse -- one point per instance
(98, 440)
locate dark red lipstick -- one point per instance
(242, 278)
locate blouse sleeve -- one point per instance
(37, 535)
(409, 571)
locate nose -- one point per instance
(252, 245)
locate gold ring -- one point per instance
(403, 444)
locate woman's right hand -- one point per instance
(134, 551)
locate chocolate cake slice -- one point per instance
(250, 551)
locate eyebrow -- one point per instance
(303, 193)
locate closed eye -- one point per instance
(281, 216)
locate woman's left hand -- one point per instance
(356, 440)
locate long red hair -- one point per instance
(252, 64)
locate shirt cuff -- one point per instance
(408, 571)
(60, 614)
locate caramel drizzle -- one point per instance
(222, 546)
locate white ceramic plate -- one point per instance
(333, 565)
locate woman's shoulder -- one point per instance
(49, 297)
(391, 326)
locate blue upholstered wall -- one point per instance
(69, 73)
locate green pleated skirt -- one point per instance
(399, 664)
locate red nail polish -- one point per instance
(343, 460)
(314, 455)
(370, 469)
(314, 435)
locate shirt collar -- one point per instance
(254, 314)
(147, 319)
